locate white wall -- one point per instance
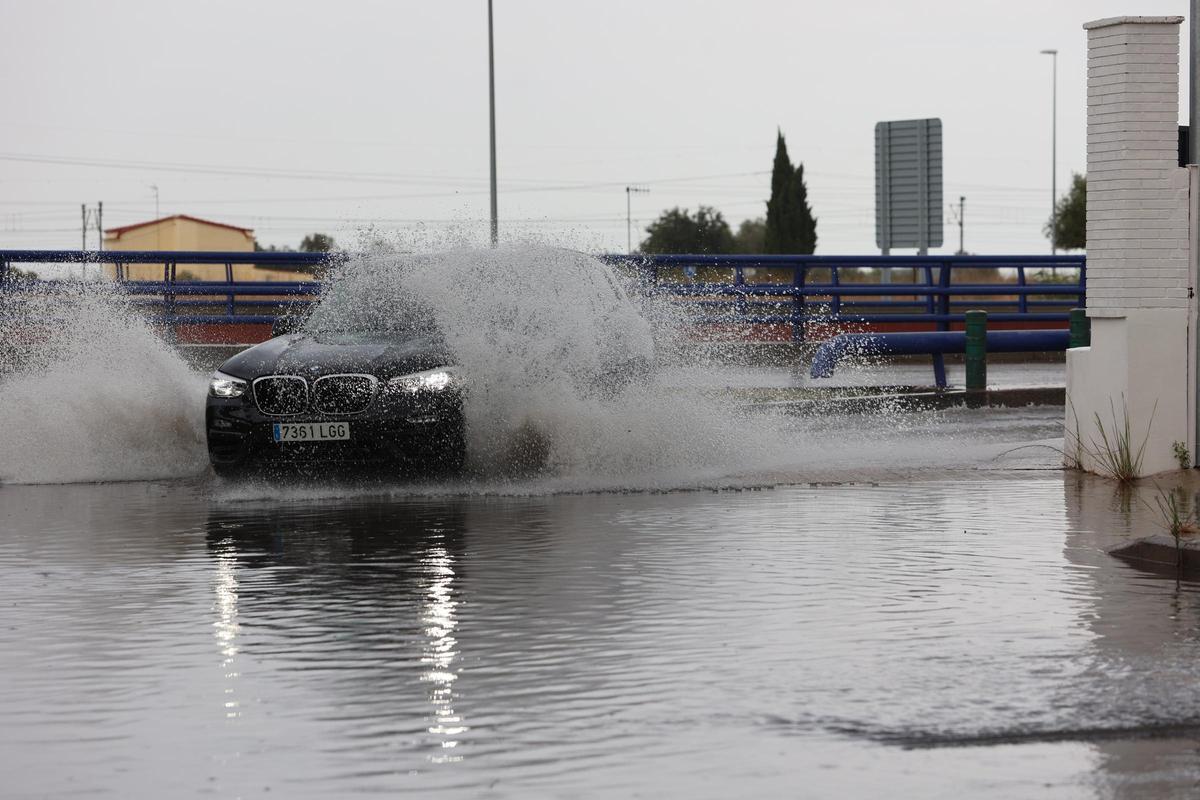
(1138, 248)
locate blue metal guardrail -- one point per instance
(826, 359)
(796, 292)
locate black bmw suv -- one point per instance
(338, 392)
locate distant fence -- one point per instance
(772, 298)
(815, 297)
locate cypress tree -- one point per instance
(805, 226)
(781, 176)
(791, 227)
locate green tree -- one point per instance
(751, 236)
(1071, 214)
(677, 231)
(317, 243)
(790, 226)
(258, 248)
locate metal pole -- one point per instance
(1194, 158)
(962, 203)
(100, 223)
(1193, 105)
(1053, 152)
(628, 224)
(1054, 157)
(629, 190)
(976, 350)
(492, 126)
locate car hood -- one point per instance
(313, 356)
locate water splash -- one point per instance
(558, 348)
(546, 336)
(91, 392)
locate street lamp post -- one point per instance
(492, 127)
(1053, 151)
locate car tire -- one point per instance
(453, 456)
(229, 471)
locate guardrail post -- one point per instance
(976, 350)
(230, 308)
(741, 307)
(835, 302)
(943, 304)
(169, 303)
(1081, 328)
(799, 274)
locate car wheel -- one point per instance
(453, 455)
(229, 471)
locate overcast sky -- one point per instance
(300, 116)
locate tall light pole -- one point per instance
(1053, 151)
(492, 126)
(629, 190)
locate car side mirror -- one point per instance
(283, 325)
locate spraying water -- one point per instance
(559, 358)
(559, 349)
(92, 392)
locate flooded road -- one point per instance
(926, 637)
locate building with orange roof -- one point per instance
(184, 232)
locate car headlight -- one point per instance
(222, 385)
(431, 380)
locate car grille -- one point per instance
(343, 394)
(281, 395)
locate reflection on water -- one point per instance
(930, 638)
(226, 627)
(439, 623)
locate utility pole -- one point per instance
(100, 223)
(1193, 105)
(1053, 152)
(492, 126)
(629, 190)
(83, 225)
(962, 202)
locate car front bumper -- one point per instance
(398, 430)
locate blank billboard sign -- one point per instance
(908, 183)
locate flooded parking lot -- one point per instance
(710, 582)
(929, 635)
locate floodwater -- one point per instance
(678, 593)
(924, 637)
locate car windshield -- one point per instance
(391, 312)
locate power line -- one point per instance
(334, 176)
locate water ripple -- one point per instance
(692, 642)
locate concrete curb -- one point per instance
(1015, 397)
(1157, 553)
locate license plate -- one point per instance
(310, 431)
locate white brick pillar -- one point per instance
(1138, 259)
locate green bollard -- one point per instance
(1081, 329)
(976, 352)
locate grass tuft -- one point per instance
(1179, 517)
(1114, 452)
